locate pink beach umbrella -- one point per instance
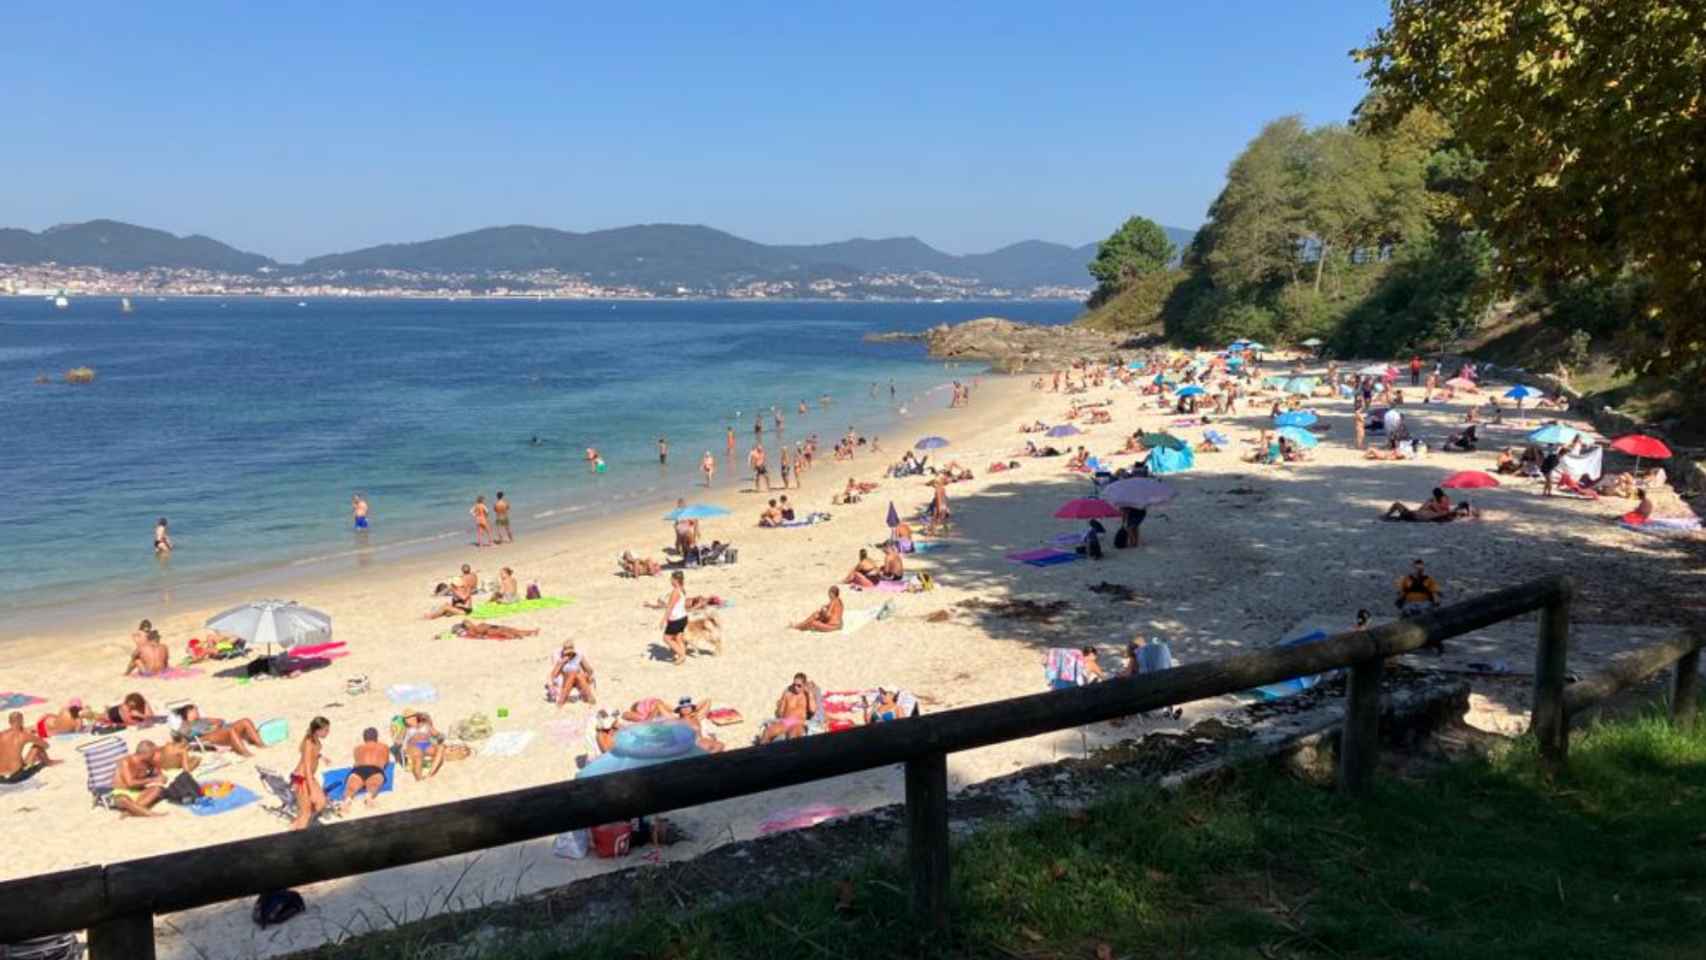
(1086, 508)
(1469, 480)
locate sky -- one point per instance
(294, 129)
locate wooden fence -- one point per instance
(117, 902)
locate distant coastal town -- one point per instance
(54, 280)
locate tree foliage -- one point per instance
(1589, 121)
(1138, 248)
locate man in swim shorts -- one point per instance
(500, 512)
(358, 509)
(368, 774)
(663, 451)
(22, 752)
(760, 472)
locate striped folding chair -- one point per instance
(101, 756)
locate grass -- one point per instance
(1478, 858)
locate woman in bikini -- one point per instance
(420, 745)
(571, 672)
(305, 779)
(864, 573)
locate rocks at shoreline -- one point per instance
(1009, 346)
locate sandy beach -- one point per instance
(1245, 555)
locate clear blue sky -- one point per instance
(290, 129)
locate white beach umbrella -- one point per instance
(284, 622)
(1373, 370)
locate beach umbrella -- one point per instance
(1296, 418)
(930, 443)
(1235, 361)
(1086, 508)
(1373, 370)
(1237, 344)
(1165, 460)
(642, 745)
(284, 622)
(1139, 493)
(1300, 385)
(1312, 342)
(1192, 391)
(1521, 392)
(1462, 383)
(894, 516)
(1162, 441)
(697, 511)
(1640, 445)
(1299, 436)
(1554, 433)
(1469, 480)
(1160, 379)
(1064, 430)
(1255, 347)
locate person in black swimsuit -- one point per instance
(368, 774)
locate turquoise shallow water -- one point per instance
(249, 423)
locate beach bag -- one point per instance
(533, 592)
(357, 685)
(182, 790)
(1121, 540)
(476, 727)
(272, 909)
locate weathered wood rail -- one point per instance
(117, 902)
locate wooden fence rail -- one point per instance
(117, 902)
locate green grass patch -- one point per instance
(1478, 858)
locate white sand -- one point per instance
(1218, 571)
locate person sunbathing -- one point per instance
(861, 487)
(1133, 444)
(1079, 459)
(1643, 510)
(646, 711)
(133, 711)
(71, 718)
(23, 752)
(884, 707)
(639, 566)
(475, 630)
(827, 619)
(864, 572)
(460, 594)
(1507, 463)
(138, 782)
(368, 774)
(508, 590)
(571, 672)
(1464, 439)
(894, 567)
(691, 715)
(150, 658)
(238, 736)
(794, 710)
(422, 746)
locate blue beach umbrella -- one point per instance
(643, 745)
(1255, 347)
(1300, 385)
(1192, 391)
(1160, 379)
(697, 511)
(1295, 418)
(930, 443)
(1064, 430)
(1554, 433)
(1521, 392)
(1299, 436)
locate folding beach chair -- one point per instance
(101, 757)
(60, 946)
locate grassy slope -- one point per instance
(1479, 859)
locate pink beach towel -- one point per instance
(891, 586)
(325, 651)
(797, 817)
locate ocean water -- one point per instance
(249, 423)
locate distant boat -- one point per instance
(124, 305)
(61, 302)
(302, 303)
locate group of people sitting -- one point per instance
(868, 572)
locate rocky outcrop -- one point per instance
(1013, 347)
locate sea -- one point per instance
(249, 423)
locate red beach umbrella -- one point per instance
(1086, 508)
(1469, 480)
(1641, 445)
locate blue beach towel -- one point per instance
(929, 546)
(1295, 685)
(239, 797)
(334, 781)
(1053, 559)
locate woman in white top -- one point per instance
(675, 617)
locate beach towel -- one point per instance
(12, 701)
(1665, 526)
(406, 693)
(1053, 558)
(490, 610)
(509, 743)
(724, 716)
(1295, 685)
(334, 782)
(1064, 667)
(1217, 438)
(1026, 556)
(1164, 460)
(1589, 463)
(170, 673)
(321, 651)
(930, 546)
(853, 621)
(223, 801)
(891, 586)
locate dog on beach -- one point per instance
(705, 630)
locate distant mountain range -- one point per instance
(652, 256)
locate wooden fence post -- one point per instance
(130, 937)
(1359, 741)
(1550, 723)
(927, 838)
(1685, 689)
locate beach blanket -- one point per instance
(12, 701)
(855, 620)
(170, 673)
(406, 693)
(930, 546)
(1052, 558)
(891, 586)
(724, 716)
(210, 806)
(1064, 667)
(321, 651)
(509, 743)
(490, 610)
(1665, 526)
(1295, 685)
(1026, 556)
(1589, 463)
(334, 782)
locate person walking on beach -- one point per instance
(1415, 370)
(760, 472)
(731, 443)
(500, 512)
(358, 510)
(708, 467)
(675, 618)
(305, 779)
(482, 522)
(162, 540)
(663, 452)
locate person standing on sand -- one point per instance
(731, 443)
(500, 512)
(675, 618)
(1415, 370)
(708, 467)
(482, 522)
(663, 451)
(760, 472)
(305, 779)
(162, 540)
(358, 510)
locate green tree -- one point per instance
(1256, 225)
(1139, 247)
(1588, 118)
